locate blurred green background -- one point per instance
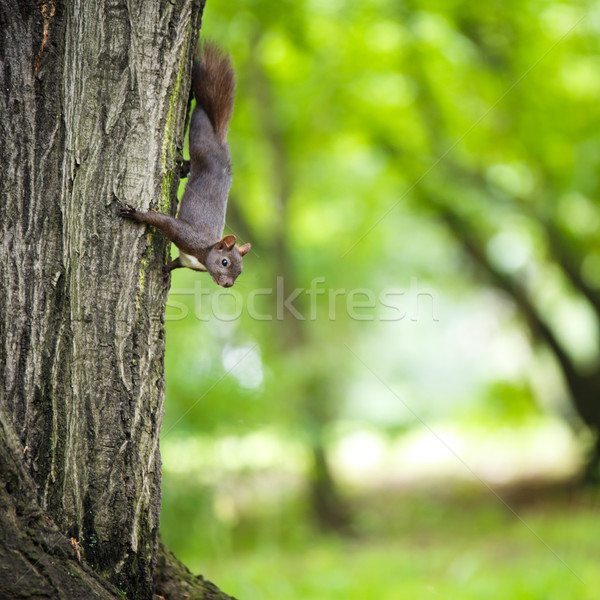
(420, 420)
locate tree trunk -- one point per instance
(93, 99)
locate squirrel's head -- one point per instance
(224, 261)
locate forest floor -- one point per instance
(536, 542)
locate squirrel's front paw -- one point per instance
(127, 211)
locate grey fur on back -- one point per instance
(204, 202)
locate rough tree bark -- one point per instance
(93, 99)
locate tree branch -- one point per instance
(470, 243)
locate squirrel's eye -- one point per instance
(224, 262)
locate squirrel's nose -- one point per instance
(228, 284)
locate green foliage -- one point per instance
(372, 142)
(352, 125)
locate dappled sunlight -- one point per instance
(196, 456)
(544, 450)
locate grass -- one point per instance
(430, 544)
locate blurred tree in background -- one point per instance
(426, 173)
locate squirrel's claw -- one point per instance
(127, 211)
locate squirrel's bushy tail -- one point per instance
(213, 81)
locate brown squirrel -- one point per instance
(197, 231)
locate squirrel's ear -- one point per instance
(227, 243)
(244, 249)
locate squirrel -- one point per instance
(198, 229)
